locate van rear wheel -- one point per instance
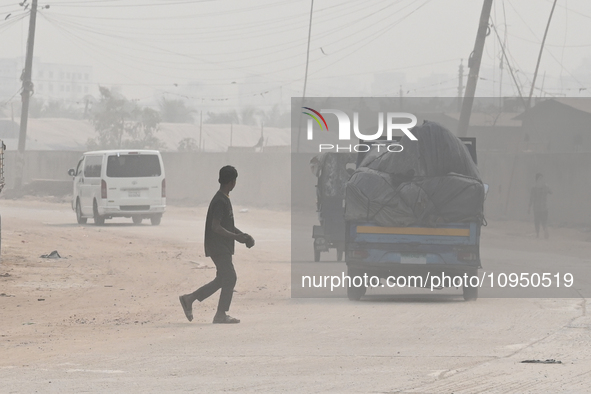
(156, 219)
(137, 219)
(98, 219)
(79, 218)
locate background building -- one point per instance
(52, 81)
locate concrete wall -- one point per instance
(511, 176)
(263, 178)
(281, 179)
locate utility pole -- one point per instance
(460, 84)
(305, 73)
(533, 84)
(501, 68)
(200, 129)
(262, 134)
(474, 65)
(27, 90)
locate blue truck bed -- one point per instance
(452, 249)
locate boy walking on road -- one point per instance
(220, 234)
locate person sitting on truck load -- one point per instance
(539, 200)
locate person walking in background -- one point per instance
(539, 200)
(220, 234)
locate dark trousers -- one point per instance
(225, 279)
(540, 218)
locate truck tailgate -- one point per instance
(455, 244)
(449, 234)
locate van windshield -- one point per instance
(133, 166)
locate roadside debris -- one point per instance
(6, 275)
(6, 295)
(52, 255)
(548, 361)
(200, 266)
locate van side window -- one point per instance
(92, 166)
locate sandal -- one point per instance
(225, 319)
(187, 309)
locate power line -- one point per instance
(284, 46)
(12, 97)
(565, 6)
(508, 63)
(91, 4)
(214, 63)
(582, 86)
(373, 37)
(531, 92)
(211, 98)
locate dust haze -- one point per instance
(104, 315)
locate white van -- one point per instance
(119, 183)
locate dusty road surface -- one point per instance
(106, 317)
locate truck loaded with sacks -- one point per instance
(415, 214)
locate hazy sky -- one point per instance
(143, 45)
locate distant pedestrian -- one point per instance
(539, 200)
(220, 234)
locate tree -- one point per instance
(58, 109)
(143, 130)
(120, 123)
(175, 111)
(275, 118)
(248, 115)
(35, 107)
(188, 145)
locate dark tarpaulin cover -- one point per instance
(433, 180)
(436, 152)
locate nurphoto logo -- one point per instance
(344, 130)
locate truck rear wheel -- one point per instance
(316, 253)
(339, 253)
(355, 293)
(470, 293)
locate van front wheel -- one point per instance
(79, 218)
(98, 219)
(156, 220)
(137, 219)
